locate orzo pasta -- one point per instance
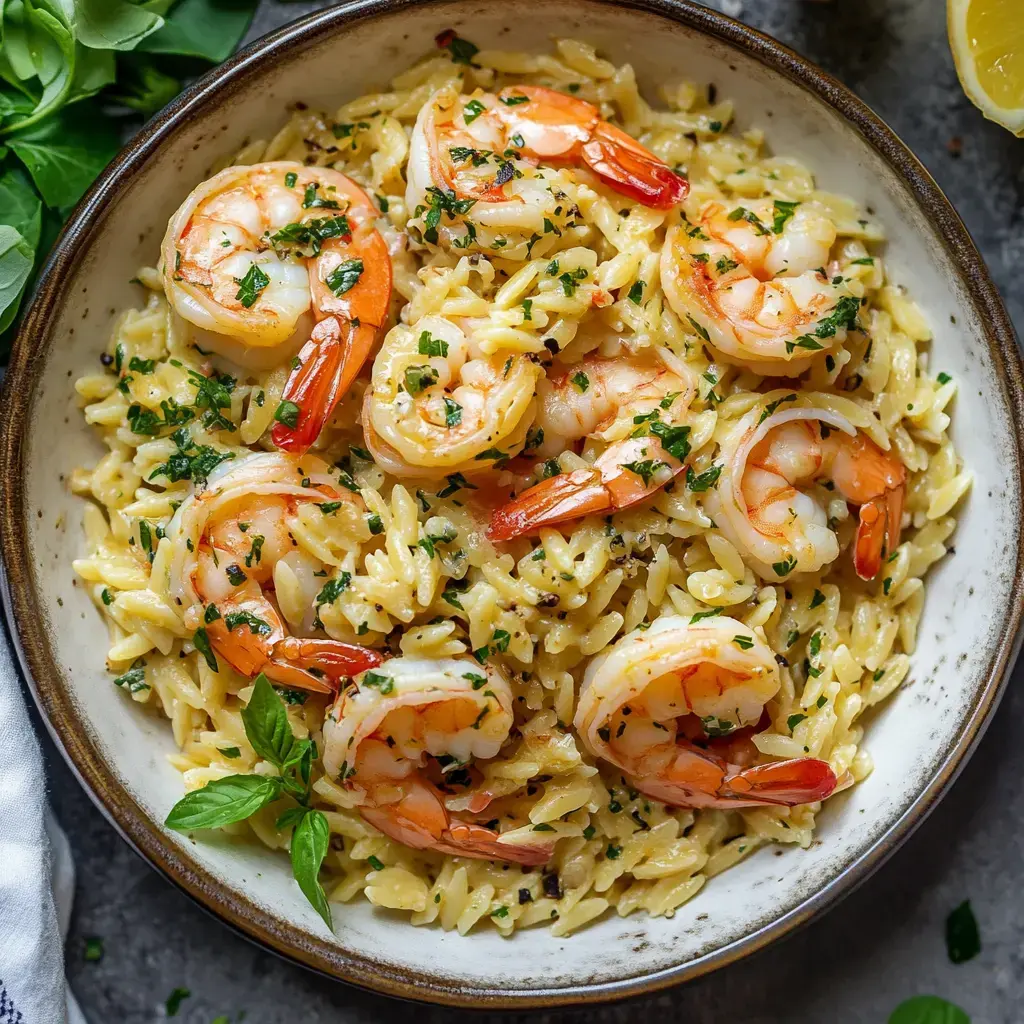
(566, 463)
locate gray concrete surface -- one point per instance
(882, 944)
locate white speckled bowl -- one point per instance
(920, 739)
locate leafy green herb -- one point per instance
(636, 293)
(793, 721)
(697, 616)
(928, 1010)
(785, 567)
(257, 626)
(864, 261)
(581, 382)
(174, 1001)
(93, 950)
(223, 802)
(963, 941)
(700, 482)
(782, 212)
(251, 285)
(308, 850)
(230, 752)
(613, 852)
(462, 51)
(134, 679)
(429, 346)
(744, 643)
(201, 642)
(724, 265)
(943, 378)
(817, 598)
(191, 461)
(344, 276)
(452, 412)
(287, 413)
(472, 110)
(770, 408)
(419, 378)
(644, 468)
(698, 328)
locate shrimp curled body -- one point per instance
(393, 727)
(585, 400)
(232, 544)
(264, 259)
(764, 503)
(482, 153)
(656, 704)
(752, 280)
(437, 404)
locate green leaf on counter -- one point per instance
(209, 29)
(928, 1010)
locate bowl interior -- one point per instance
(970, 612)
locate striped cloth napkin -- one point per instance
(37, 874)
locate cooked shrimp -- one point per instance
(256, 256)
(657, 703)
(230, 542)
(587, 400)
(393, 734)
(758, 505)
(752, 280)
(437, 404)
(484, 149)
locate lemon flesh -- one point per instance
(987, 39)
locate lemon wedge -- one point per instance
(987, 40)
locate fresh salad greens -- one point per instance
(76, 76)
(236, 797)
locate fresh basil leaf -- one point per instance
(64, 154)
(49, 47)
(290, 818)
(223, 802)
(19, 205)
(16, 259)
(113, 24)
(309, 847)
(266, 723)
(94, 69)
(144, 87)
(928, 1010)
(209, 29)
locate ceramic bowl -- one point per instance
(919, 740)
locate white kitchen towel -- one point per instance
(37, 877)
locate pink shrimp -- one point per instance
(391, 727)
(259, 258)
(659, 702)
(584, 400)
(759, 506)
(229, 541)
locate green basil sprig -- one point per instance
(74, 77)
(236, 797)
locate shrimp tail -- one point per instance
(556, 500)
(465, 839)
(878, 532)
(328, 363)
(620, 161)
(699, 778)
(419, 820)
(627, 473)
(307, 663)
(801, 780)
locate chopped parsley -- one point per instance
(251, 285)
(287, 413)
(344, 276)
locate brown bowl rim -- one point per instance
(22, 606)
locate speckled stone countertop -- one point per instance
(885, 942)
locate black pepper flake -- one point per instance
(551, 886)
(524, 896)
